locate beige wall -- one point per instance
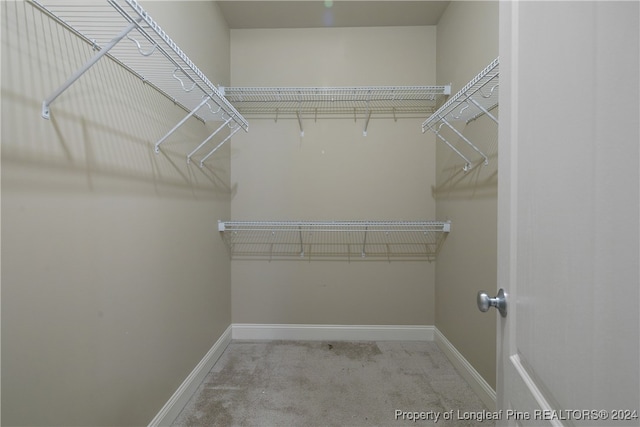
(114, 280)
(333, 173)
(467, 43)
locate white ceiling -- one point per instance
(245, 14)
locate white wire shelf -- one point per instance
(477, 98)
(353, 240)
(125, 32)
(331, 102)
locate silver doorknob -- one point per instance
(485, 302)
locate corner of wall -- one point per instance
(466, 43)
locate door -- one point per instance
(569, 220)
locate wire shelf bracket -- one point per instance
(330, 102)
(164, 66)
(353, 240)
(477, 98)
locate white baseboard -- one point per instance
(485, 392)
(178, 401)
(248, 331)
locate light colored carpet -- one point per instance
(322, 383)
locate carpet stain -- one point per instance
(328, 383)
(355, 350)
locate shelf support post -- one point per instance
(236, 129)
(301, 244)
(366, 123)
(85, 68)
(364, 243)
(191, 113)
(207, 140)
(467, 164)
(300, 123)
(298, 114)
(486, 159)
(484, 110)
(368, 113)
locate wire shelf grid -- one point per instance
(125, 32)
(282, 101)
(477, 98)
(354, 240)
(474, 99)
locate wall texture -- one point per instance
(333, 173)
(467, 43)
(114, 280)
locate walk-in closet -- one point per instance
(199, 197)
(173, 182)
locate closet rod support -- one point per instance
(368, 113)
(191, 113)
(300, 123)
(301, 244)
(467, 162)
(85, 68)
(236, 129)
(477, 150)
(366, 123)
(481, 108)
(364, 243)
(207, 140)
